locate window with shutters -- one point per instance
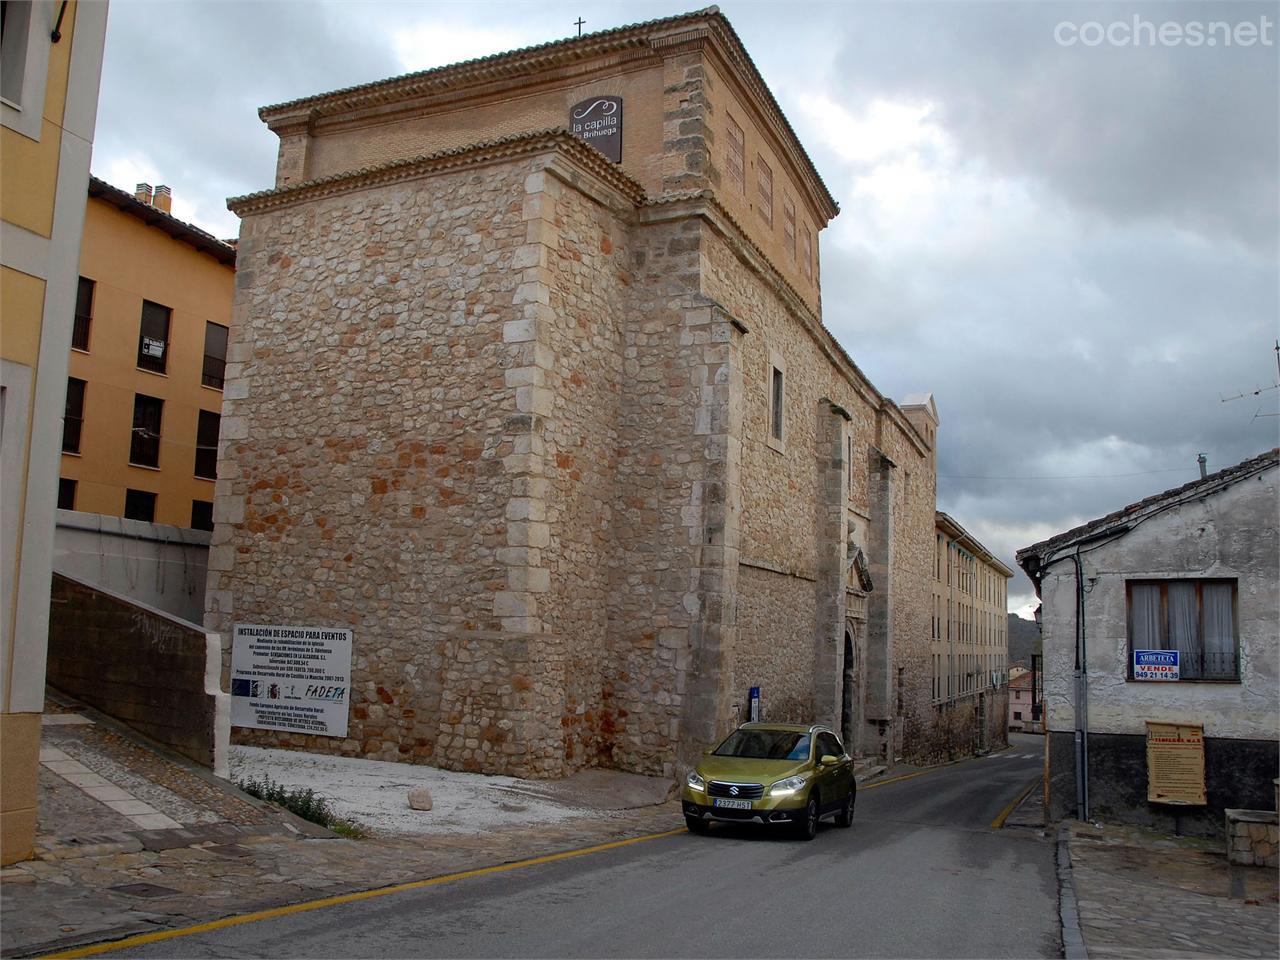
(764, 189)
(789, 227)
(735, 160)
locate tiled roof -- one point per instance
(188, 233)
(1196, 490)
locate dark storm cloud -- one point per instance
(1074, 247)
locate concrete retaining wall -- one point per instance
(150, 670)
(157, 564)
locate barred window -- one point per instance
(153, 337)
(207, 445)
(1197, 618)
(84, 315)
(73, 416)
(144, 445)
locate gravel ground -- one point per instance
(374, 793)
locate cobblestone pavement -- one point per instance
(1145, 896)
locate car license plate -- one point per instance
(735, 804)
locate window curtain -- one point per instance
(1184, 627)
(1145, 601)
(1219, 630)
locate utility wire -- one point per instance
(1083, 476)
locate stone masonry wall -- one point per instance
(584, 324)
(776, 615)
(778, 478)
(675, 509)
(361, 468)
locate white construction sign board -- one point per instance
(291, 678)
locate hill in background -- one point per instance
(1024, 640)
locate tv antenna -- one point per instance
(1258, 391)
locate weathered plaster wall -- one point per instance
(1230, 534)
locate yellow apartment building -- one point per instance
(50, 65)
(969, 641)
(148, 351)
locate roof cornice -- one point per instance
(494, 151)
(653, 37)
(153, 216)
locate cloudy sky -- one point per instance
(1072, 244)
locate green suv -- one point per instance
(787, 775)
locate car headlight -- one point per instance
(784, 788)
(695, 781)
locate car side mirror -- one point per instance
(827, 760)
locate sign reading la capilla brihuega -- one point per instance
(291, 678)
(598, 121)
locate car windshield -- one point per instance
(765, 745)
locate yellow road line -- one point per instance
(905, 776)
(145, 938)
(998, 822)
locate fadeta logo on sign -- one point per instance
(1155, 665)
(598, 121)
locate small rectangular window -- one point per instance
(144, 446)
(764, 186)
(789, 227)
(140, 505)
(201, 515)
(215, 355)
(207, 445)
(66, 494)
(84, 315)
(153, 337)
(736, 158)
(775, 425)
(807, 253)
(15, 22)
(73, 416)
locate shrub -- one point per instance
(304, 802)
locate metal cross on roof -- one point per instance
(578, 23)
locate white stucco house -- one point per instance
(1188, 577)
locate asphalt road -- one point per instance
(921, 874)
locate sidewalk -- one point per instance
(132, 839)
(1141, 895)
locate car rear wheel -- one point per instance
(696, 824)
(807, 828)
(845, 817)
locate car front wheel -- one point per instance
(845, 817)
(696, 824)
(807, 828)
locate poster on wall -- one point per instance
(598, 121)
(1175, 764)
(291, 678)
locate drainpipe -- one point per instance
(1082, 697)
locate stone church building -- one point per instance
(528, 387)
